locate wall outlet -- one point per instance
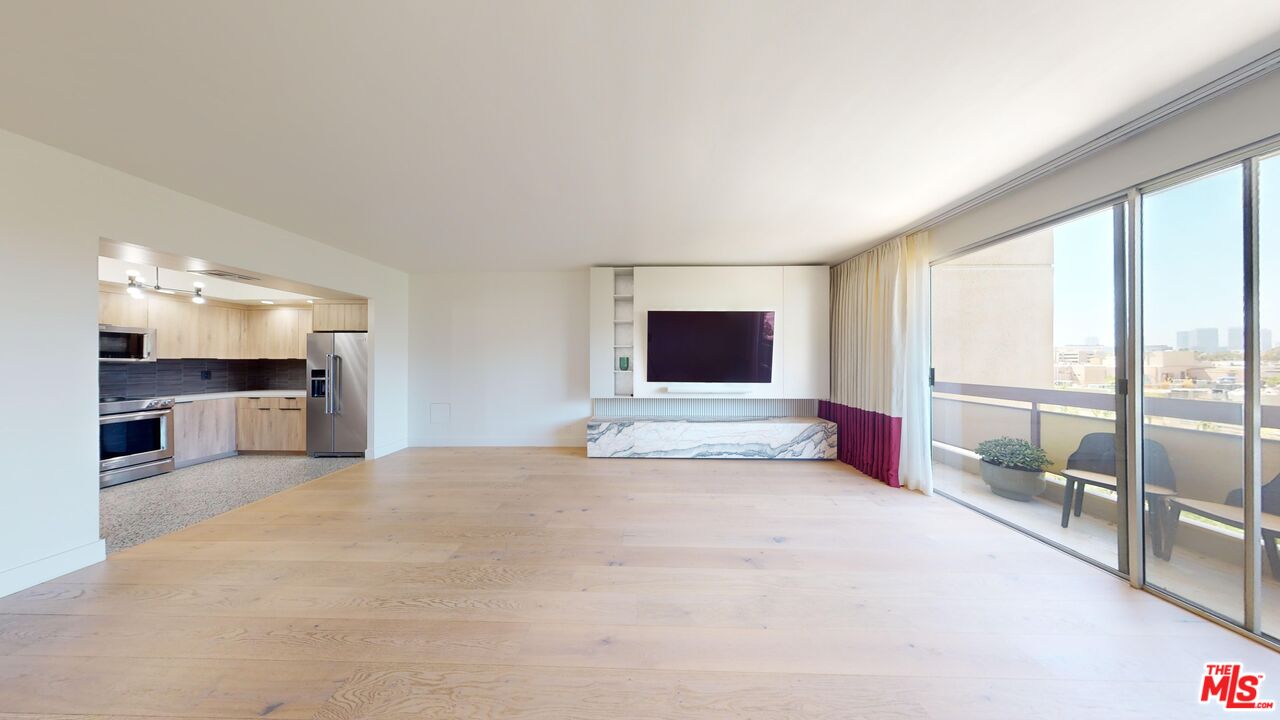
(206, 374)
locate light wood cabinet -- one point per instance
(338, 317)
(121, 309)
(270, 424)
(278, 333)
(220, 332)
(176, 325)
(203, 430)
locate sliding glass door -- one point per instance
(1024, 355)
(1131, 337)
(1193, 299)
(1268, 198)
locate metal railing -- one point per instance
(1208, 411)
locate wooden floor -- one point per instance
(487, 583)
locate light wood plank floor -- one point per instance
(534, 583)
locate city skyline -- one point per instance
(1193, 264)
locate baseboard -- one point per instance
(207, 458)
(388, 448)
(34, 573)
(579, 441)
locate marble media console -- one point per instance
(775, 438)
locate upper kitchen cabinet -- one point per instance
(176, 326)
(186, 330)
(340, 317)
(220, 332)
(277, 333)
(117, 308)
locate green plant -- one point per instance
(1013, 453)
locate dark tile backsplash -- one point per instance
(192, 377)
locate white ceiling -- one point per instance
(549, 134)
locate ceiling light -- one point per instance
(311, 302)
(267, 302)
(136, 285)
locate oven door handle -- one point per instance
(109, 419)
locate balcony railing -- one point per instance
(1202, 411)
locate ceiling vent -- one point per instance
(225, 275)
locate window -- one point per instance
(1024, 348)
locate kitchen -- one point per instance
(215, 391)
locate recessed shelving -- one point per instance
(623, 329)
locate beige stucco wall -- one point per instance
(993, 315)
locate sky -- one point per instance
(1192, 262)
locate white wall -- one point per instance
(1243, 116)
(798, 295)
(499, 358)
(54, 208)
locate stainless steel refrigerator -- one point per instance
(337, 393)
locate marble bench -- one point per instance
(774, 438)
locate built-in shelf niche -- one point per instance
(624, 283)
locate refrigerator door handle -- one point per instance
(337, 384)
(328, 384)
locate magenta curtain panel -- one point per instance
(880, 397)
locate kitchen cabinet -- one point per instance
(187, 330)
(278, 333)
(175, 322)
(220, 332)
(203, 430)
(271, 424)
(340, 317)
(121, 309)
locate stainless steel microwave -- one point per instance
(126, 344)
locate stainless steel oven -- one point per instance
(135, 439)
(126, 344)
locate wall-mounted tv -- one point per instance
(710, 346)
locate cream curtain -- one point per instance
(880, 393)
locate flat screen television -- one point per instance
(710, 346)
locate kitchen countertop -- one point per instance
(240, 394)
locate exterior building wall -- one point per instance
(993, 315)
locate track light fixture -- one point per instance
(136, 287)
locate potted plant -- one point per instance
(1013, 468)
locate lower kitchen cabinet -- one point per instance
(271, 424)
(203, 430)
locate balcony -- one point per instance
(1205, 447)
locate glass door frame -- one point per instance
(1118, 204)
(1248, 159)
(1131, 535)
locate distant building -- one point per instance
(1084, 375)
(1174, 366)
(1235, 339)
(1200, 340)
(1081, 355)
